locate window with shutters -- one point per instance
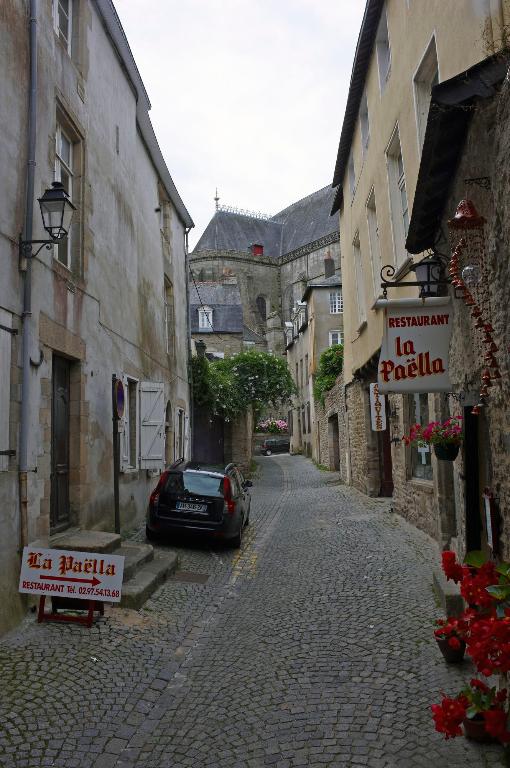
(420, 458)
(375, 247)
(142, 427)
(427, 76)
(5, 385)
(360, 280)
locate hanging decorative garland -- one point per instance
(468, 273)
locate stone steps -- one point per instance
(144, 570)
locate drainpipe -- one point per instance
(27, 286)
(188, 326)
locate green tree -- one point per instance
(330, 365)
(228, 387)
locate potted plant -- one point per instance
(451, 639)
(444, 436)
(480, 710)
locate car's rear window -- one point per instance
(197, 483)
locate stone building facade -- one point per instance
(216, 319)
(404, 51)
(316, 324)
(102, 301)
(472, 112)
(272, 258)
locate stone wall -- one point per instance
(490, 128)
(238, 441)
(363, 447)
(333, 410)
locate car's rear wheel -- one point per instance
(236, 542)
(268, 453)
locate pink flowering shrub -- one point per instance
(273, 426)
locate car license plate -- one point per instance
(183, 506)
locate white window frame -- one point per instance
(64, 248)
(374, 242)
(205, 319)
(67, 41)
(397, 192)
(364, 122)
(383, 48)
(5, 385)
(360, 280)
(340, 338)
(352, 176)
(125, 424)
(425, 77)
(168, 291)
(336, 302)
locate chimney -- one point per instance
(329, 267)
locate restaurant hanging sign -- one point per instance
(415, 345)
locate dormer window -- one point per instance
(205, 319)
(257, 249)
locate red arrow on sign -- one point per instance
(93, 581)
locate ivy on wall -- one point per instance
(330, 365)
(228, 387)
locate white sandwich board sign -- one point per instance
(66, 573)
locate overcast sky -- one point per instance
(247, 95)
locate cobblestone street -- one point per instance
(312, 646)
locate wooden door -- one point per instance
(59, 507)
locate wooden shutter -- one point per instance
(5, 385)
(152, 425)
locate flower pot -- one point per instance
(447, 452)
(451, 655)
(474, 729)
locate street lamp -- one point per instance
(429, 276)
(57, 212)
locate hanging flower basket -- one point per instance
(446, 451)
(444, 436)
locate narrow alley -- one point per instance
(312, 646)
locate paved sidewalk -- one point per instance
(311, 646)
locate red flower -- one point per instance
(454, 643)
(480, 685)
(452, 569)
(495, 724)
(449, 715)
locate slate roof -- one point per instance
(224, 300)
(299, 224)
(307, 220)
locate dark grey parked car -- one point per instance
(275, 445)
(202, 499)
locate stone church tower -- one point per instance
(271, 257)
